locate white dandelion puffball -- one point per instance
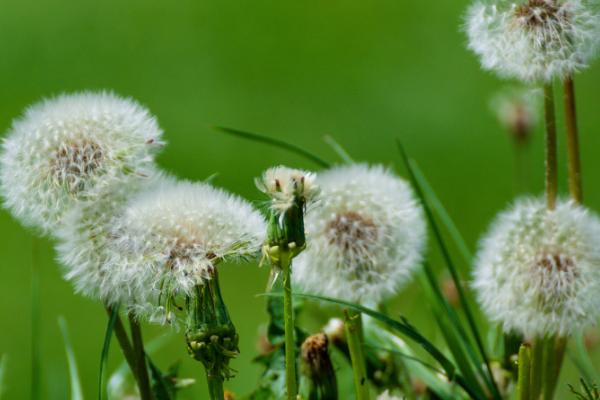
(71, 148)
(85, 235)
(170, 237)
(534, 40)
(538, 271)
(286, 185)
(365, 236)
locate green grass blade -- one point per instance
(581, 358)
(76, 391)
(110, 326)
(338, 149)
(441, 211)
(453, 272)
(3, 363)
(277, 143)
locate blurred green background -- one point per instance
(364, 72)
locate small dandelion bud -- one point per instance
(73, 148)
(287, 187)
(367, 235)
(534, 40)
(318, 368)
(170, 238)
(538, 271)
(517, 111)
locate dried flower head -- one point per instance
(170, 237)
(84, 237)
(534, 40)
(365, 237)
(285, 186)
(73, 148)
(538, 271)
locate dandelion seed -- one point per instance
(366, 235)
(73, 148)
(538, 271)
(534, 40)
(170, 238)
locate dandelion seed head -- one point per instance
(534, 40)
(365, 236)
(72, 148)
(286, 185)
(170, 237)
(538, 271)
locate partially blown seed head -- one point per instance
(287, 185)
(534, 40)
(73, 148)
(364, 238)
(170, 237)
(538, 271)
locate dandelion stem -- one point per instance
(575, 186)
(523, 388)
(554, 354)
(354, 334)
(215, 385)
(551, 159)
(35, 322)
(290, 344)
(140, 359)
(537, 369)
(124, 342)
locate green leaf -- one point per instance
(339, 150)
(75, 382)
(3, 363)
(489, 379)
(581, 358)
(277, 143)
(105, 349)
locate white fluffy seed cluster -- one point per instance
(285, 185)
(170, 237)
(365, 236)
(73, 148)
(534, 40)
(538, 271)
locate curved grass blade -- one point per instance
(580, 357)
(277, 143)
(110, 326)
(76, 391)
(339, 150)
(489, 377)
(3, 363)
(441, 211)
(406, 329)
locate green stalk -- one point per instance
(35, 322)
(140, 359)
(555, 352)
(537, 369)
(353, 324)
(215, 385)
(574, 165)
(551, 158)
(523, 384)
(290, 344)
(124, 343)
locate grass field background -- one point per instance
(365, 72)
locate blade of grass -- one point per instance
(110, 326)
(338, 149)
(581, 358)
(275, 142)
(453, 272)
(404, 328)
(3, 363)
(441, 211)
(75, 382)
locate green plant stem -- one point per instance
(554, 354)
(537, 369)
(123, 339)
(290, 344)
(140, 359)
(574, 166)
(215, 385)
(354, 336)
(35, 322)
(551, 158)
(523, 383)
